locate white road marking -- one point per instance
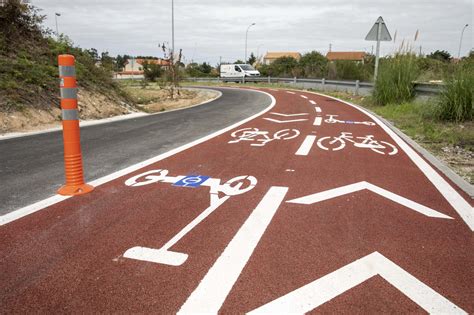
(163, 255)
(40, 205)
(462, 207)
(313, 102)
(212, 291)
(344, 190)
(306, 145)
(289, 92)
(318, 292)
(274, 90)
(317, 109)
(318, 121)
(288, 115)
(304, 96)
(284, 121)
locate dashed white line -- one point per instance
(303, 96)
(318, 109)
(289, 92)
(306, 145)
(318, 121)
(313, 102)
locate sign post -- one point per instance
(378, 33)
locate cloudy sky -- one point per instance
(207, 30)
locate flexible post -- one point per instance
(71, 134)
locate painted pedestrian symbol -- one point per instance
(191, 181)
(367, 142)
(261, 138)
(332, 120)
(219, 193)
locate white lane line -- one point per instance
(274, 90)
(313, 102)
(17, 214)
(306, 145)
(284, 121)
(317, 109)
(462, 207)
(349, 189)
(213, 289)
(324, 289)
(304, 96)
(288, 115)
(289, 92)
(318, 121)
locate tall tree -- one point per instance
(252, 59)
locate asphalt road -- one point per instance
(31, 167)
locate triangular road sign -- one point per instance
(374, 31)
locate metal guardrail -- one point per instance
(356, 86)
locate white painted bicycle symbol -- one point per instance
(368, 142)
(262, 137)
(332, 120)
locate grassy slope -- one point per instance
(28, 64)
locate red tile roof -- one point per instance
(346, 55)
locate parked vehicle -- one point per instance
(238, 71)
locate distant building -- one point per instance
(272, 56)
(357, 56)
(135, 66)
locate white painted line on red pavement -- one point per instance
(40, 205)
(284, 121)
(304, 96)
(318, 121)
(289, 92)
(313, 102)
(213, 289)
(317, 109)
(306, 145)
(349, 189)
(462, 207)
(318, 292)
(288, 115)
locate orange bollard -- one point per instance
(71, 134)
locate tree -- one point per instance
(238, 61)
(313, 64)
(284, 66)
(441, 55)
(93, 53)
(152, 71)
(252, 59)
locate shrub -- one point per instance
(395, 79)
(455, 103)
(152, 71)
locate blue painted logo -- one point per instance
(191, 181)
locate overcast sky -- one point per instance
(206, 29)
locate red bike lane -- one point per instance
(310, 206)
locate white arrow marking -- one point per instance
(320, 291)
(288, 115)
(344, 190)
(212, 291)
(284, 121)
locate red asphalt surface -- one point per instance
(69, 256)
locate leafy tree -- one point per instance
(252, 59)
(238, 61)
(441, 55)
(284, 66)
(313, 64)
(93, 53)
(152, 71)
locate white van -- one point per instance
(238, 71)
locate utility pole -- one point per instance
(172, 27)
(57, 29)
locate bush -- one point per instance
(455, 102)
(152, 71)
(395, 79)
